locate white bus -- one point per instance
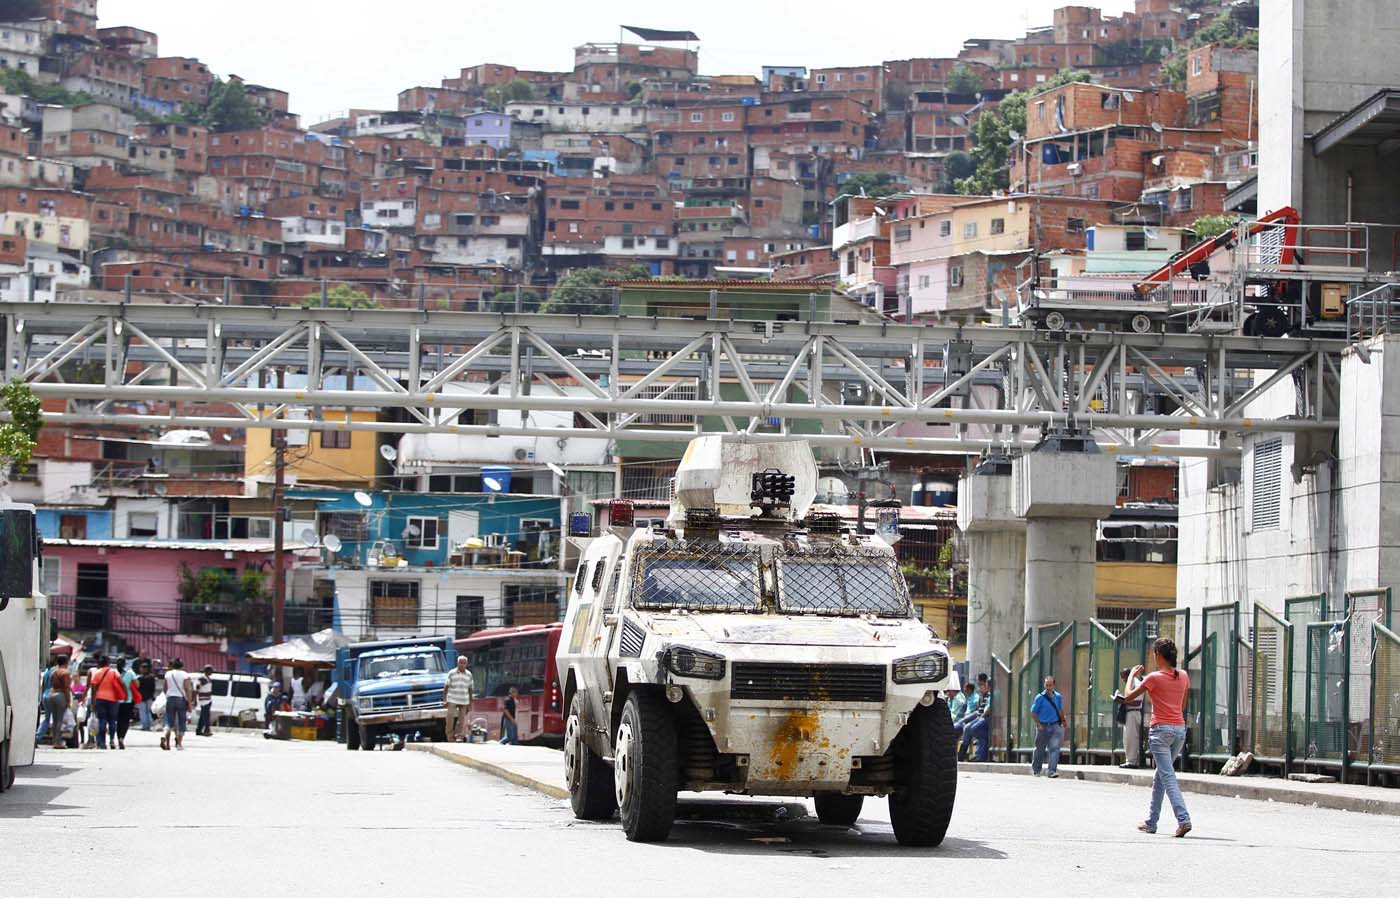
(24, 638)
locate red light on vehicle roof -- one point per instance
(621, 513)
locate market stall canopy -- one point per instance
(317, 649)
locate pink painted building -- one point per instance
(133, 587)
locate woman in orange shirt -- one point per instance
(1166, 736)
(106, 691)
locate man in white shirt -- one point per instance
(458, 695)
(298, 691)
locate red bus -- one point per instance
(522, 657)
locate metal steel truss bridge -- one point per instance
(879, 386)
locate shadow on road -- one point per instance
(46, 771)
(769, 828)
(26, 801)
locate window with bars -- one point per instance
(394, 603)
(1266, 504)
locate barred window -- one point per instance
(394, 603)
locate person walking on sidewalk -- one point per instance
(458, 695)
(510, 732)
(146, 683)
(1048, 711)
(60, 693)
(204, 694)
(127, 707)
(1166, 735)
(105, 693)
(179, 690)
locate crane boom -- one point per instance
(1287, 216)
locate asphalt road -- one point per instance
(235, 815)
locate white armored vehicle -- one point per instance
(751, 647)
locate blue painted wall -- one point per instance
(99, 521)
(389, 514)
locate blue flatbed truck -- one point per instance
(393, 687)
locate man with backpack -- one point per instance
(1048, 711)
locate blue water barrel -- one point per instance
(941, 494)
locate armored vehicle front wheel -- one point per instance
(644, 768)
(926, 776)
(352, 735)
(838, 810)
(590, 785)
(367, 738)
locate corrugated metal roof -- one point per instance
(186, 545)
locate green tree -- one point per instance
(20, 434)
(504, 301)
(956, 166)
(228, 108)
(584, 291)
(1212, 225)
(517, 90)
(963, 80)
(880, 183)
(15, 81)
(341, 296)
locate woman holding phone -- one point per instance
(1166, 734)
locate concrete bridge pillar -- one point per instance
(1062, 488)
(996, 541)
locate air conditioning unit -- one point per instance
(1075, 169)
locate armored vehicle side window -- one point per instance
(580, 578)
(841, 585)
(598, 569)
(681, 577)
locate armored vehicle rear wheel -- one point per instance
(838, 810)
(590, 782)
(352, 735)
(645, 775)
(926, 777)
(367, 738)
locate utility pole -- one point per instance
(279, 586)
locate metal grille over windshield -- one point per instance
(701, 576)
(845, 582)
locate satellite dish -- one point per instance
(388, 452)
(332, 543)
(309, 536)
(411, 530)
(363, 498)
(1157, 126)
(491, 484)
(558, 471)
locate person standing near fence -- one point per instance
(1166, 735)
(204, 693)
(1131, 718)
(1048, 711)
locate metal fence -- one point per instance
(1385, 702)
(999, 730)
(1270, 719)
(1219, 685)
(1300, 612)
(1326, 693)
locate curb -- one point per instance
(495, 770)
(1251, 788)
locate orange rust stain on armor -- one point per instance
(789, 735)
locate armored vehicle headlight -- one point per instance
(688, 662)
(926, 668)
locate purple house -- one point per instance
(486, 128)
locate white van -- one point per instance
(236, 692)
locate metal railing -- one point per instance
(1270, 717)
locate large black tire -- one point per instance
(838, 810)
(590, 781)
(926, 777)
(6, 771)
(438, 733)
(352, 734)
(645, 773)
(367, 738)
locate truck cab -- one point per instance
(752, 648)
(394, 687)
